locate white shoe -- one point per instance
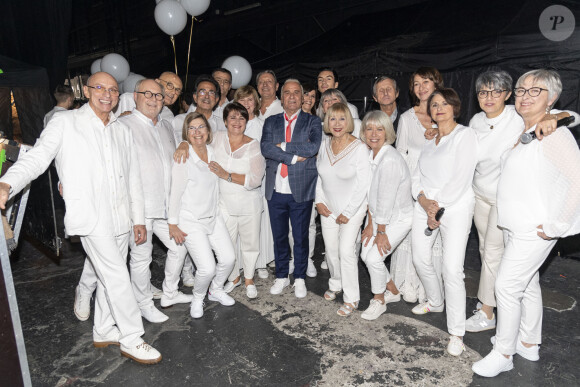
(251, 291)
(279, 285)
(411, 298)
(272, 265)
(291, 266)
(179, 298)
(311, 270)
(188, 279)
(425, 308)
(196, 310)
(157, 293)
(82, 306)
(390, 297)
(154, 315)
(221, 297)
(299, 288)
(531, 354)
(229, 286)
(479, 322)
(455, 346)
(375, 309)
(493, 364)
(141, 353)
(102, 341)
(324, 265)
(263, 273)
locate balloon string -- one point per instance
(188, 52)
(174, 54)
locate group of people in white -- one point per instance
(231, 186)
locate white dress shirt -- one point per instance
(155, 146)
(254, 128)
(219, 110)
(49, 115)
(127, 104)
(283, 183)
(274, 108)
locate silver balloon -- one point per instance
(240, 69)
(131, 81)
(96, 66)
(115, 65)
(170, 17)
(195, 7)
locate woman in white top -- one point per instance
(538, 201)
(341, 199)
(443, 179)
(415, 128)
(240, 166)
(329, 98)
(390, 208)
(498, 128)
(194, 217)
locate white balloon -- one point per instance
(115, 65)
(96, 66)
(240, 69)
(131, 81)
(195, 7)
(170, 17)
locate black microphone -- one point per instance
(438, 216)
(526, 138)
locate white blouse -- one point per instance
(410, 138)
(247, 160)
(254, 128)
(540, 185)
(390, 189)
(343, 179)
(445, 171)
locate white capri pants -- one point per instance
(491, 247)
(454, 229)
(518, 293)
(375, 261)
(341, 257)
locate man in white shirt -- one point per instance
(97, 164)
(328, 79)
(224, 78)
(385, 93)
(65, 98)
(172, 87)
(267, 88)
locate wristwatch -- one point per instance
(381, 232)
(421, 194)
(229, 177)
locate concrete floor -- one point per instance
(280, 340)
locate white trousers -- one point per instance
(141, 257)
(375, 261)
(266, 239)
(341, 257)
(518, 293)
(454, 229)
(115, 302)
(244, 231)
(490, 247)
(311, 234)
(200, 243)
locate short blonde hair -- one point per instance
(339, 108)
(381, 119)
(190, 117)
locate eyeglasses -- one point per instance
(483, 94)
(103, 90)
(171, 86)
(200, 127)
(149, 95)
(533, 92)
(206, 92)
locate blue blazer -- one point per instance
(305, 142)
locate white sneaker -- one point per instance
(291, 266)
(425, 308)
(221, 297)
(390, 297)
(157, 293)
(279, 285)
(251, 291)
(102, 341)
(82, 306)
(531, 354)
(455, 346)
(141, 353)
(196, 310)
(411, 298)
(229, 286)
(479, 322)
(324, 265)
(299, 288)
(272, 265)
(311, 270)
(179, 298)
(154, 315)
(263, 273)
(375, 309)
(493, 364)
(188, 279)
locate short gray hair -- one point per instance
(272, 73)
(384, 78)
(549, 78)
(494, 79)
(378, 118)
(140, 81)
(330, 93)
(295, 81)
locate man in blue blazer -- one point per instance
(290, 142)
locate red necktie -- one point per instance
(284, 169)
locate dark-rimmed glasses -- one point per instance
(171, 86)
(149, 95)
(533, 92)
(483, 94)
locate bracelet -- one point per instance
(381, 232)
(229, 177)
(421, 194)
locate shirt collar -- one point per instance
(148, 120)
